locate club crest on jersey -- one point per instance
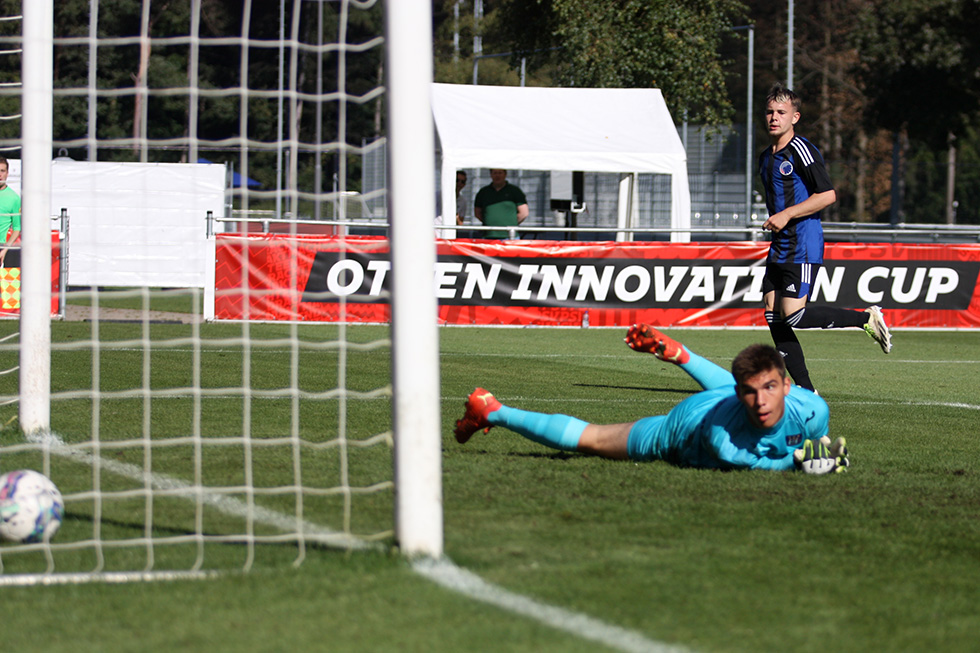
(794, 440)
(786, 168)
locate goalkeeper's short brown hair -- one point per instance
(756, 359)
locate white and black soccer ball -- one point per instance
(31, 507)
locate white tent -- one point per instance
(624, 130)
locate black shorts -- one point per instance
(793, 280)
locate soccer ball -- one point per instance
(31, 507)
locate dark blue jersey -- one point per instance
(789, 177)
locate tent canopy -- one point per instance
(626, 130)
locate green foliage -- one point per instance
(920, 63)
(118, 67)
(927, 172)
(967, 191)
(665, 44)
(865, 69)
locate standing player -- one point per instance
(752, 418)
(9, 211)
(797, 189)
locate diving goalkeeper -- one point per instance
(751, 418)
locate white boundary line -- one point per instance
(445, 573)
(442, 572)
(223, 503)
(913, 402)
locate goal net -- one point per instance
(183, 445)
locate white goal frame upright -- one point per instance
(35, 315)
(415, 369)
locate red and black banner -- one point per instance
(315, 278)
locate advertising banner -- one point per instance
(550, 283)
(10, 278)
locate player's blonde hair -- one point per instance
(779, 93)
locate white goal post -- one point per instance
(185, 447)
(411, 180)
(35, 355)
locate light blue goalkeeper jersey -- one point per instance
(712, 429)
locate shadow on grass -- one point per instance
(633, 387)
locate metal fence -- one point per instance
(720, 209)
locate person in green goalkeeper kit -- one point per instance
(500, 204)
(9, 211)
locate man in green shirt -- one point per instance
(500, 204)
(9, 210)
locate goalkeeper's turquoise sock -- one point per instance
(706, 373)
(555, 431)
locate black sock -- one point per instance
(826, 317)
(788, 345)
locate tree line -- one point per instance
(891, 88)
(249, 88)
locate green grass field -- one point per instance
(883, 558)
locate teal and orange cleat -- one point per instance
(643, 337)
(479, 404)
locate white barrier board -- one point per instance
(135, 224)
